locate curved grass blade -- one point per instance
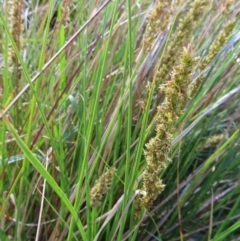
(40, 168)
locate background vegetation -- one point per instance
(83, 86)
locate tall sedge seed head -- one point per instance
(197, 8)
(228, 4)
(179, 39)
(158, 148)
(213, 140)
(101, 187)
(218, 43)
(15, 27)
(214, 50)
(64, 14)
(157, 20)
(66, 11)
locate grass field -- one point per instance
(120, 120)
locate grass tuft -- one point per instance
(97, 97)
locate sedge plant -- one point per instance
(119, 120)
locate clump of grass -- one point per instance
(83, 106)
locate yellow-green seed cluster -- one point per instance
(101, 187)
(227, 6)
(157, 20)
(213, 140)
(179, 39)
(214, 50)
(158, 149)
(15, 27)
